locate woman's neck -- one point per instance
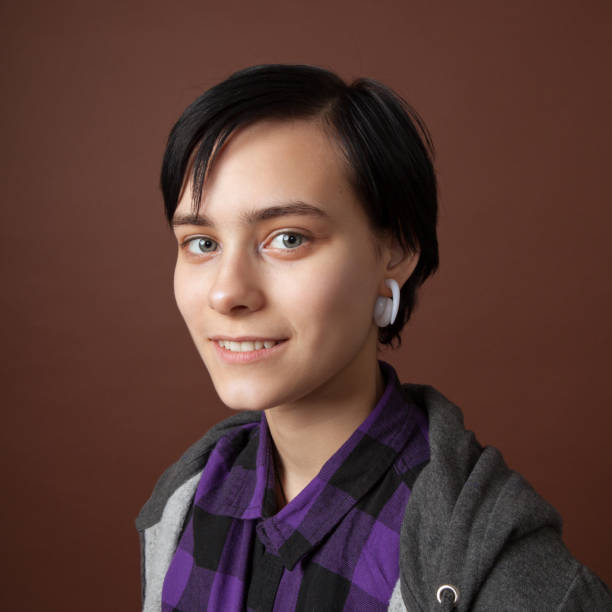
(307, 434)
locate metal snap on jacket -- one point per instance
(450, 587)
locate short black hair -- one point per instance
(386, 144)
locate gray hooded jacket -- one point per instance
(475, 535)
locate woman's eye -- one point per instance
(200, 245)
(288, 240)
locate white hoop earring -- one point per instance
(386, 308)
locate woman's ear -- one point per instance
(398, 262)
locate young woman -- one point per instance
(305, 215)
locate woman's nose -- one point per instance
(235, 286)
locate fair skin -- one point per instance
(310, 280)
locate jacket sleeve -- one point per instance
(586, 592)
(537, 572)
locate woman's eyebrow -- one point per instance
(296, 207)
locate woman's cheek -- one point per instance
(330, 298)
(190, 294)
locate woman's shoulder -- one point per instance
(478, 525)
(190, 465)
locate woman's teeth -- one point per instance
(241, 347)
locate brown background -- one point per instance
(102, 386)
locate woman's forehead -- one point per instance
(273, 163)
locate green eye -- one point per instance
(200, 245)
(290, 240)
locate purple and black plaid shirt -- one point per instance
(333, 547)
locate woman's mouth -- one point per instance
(246, 346)
(243, 352)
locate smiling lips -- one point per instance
(247, 351)
(246, 346)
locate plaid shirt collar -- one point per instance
(241, 477)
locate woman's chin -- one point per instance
(245, 399)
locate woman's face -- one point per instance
(309, 279)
